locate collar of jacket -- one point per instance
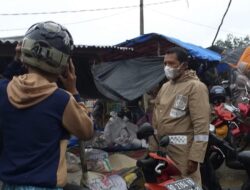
(186, 75)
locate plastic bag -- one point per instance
(96, 181)
(73, 162)
(97, 160)
(121, 133)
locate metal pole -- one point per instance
(145, 98)
(141, 18)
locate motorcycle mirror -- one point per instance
(164, 141)
(211, 128)
(145, 131)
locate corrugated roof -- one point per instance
(15, 39)
(11, 40)
(105, 47)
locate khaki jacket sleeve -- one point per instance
(199, 109)
(152, 143)
(153, 146)
(76, 120)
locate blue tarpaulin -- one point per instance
(194, 50)
(222, 67)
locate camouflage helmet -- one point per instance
(47, 46)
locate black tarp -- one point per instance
(128, 79)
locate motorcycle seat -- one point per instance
(244, 157)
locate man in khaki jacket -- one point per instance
(182, 111)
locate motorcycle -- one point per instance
(231, 126)
(158, 168)
(232, 123)
(233, 159)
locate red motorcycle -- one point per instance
(231, 126)
(158, 168)
(230, 122)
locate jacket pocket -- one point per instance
(179, 107)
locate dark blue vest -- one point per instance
(31, 139)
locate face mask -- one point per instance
(171, 73)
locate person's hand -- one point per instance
(68, 79)
(192, 166)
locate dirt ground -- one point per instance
(230, 178)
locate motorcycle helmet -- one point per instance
(217, 94)
(47, 46)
